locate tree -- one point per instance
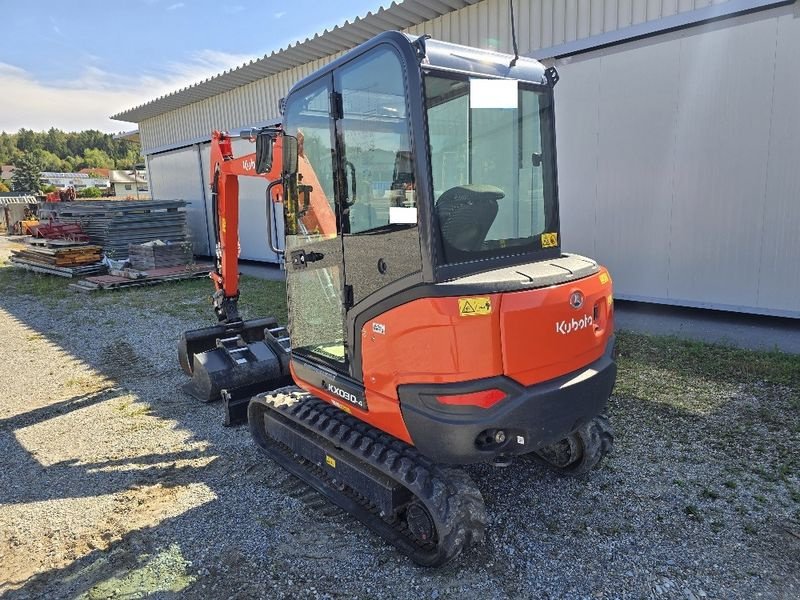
(94, 157)
(55, 141)
(49, 161)
(26, 174)
(90, 192)
(3, 188)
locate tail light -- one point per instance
(482, 399)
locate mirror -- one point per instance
(289, 150)
(264, 142)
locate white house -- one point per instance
(130, 184)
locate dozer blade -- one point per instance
(234, 361)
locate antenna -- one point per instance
(513, 34)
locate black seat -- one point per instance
(466, 213)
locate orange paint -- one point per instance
(530, 336)
(383, 413)
(545, 337)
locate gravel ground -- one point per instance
(113, 483)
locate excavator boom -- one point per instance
(235, 358)
(225, 172)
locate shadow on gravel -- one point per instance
(56, 409)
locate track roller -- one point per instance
(429, 512)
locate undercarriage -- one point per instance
(427, 511)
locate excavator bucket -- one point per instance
(234, 360)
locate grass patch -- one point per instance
(192, 298)
(699, 360)
(15, 281)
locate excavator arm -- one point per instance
(225, 172)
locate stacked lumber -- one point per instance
(115, 225)
(156, 255)
(130, 278)
(66, 259)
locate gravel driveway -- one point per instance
(115, 483)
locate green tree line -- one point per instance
(63, 151)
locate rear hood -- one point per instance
(551, 331)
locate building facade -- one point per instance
(678, 134)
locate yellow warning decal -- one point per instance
(549, 240)
(480, 305)
(604, 278)
(330, 460)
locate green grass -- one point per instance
(699, 360)
(189, 298)
(16, 281)
(192, 298)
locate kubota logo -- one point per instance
(248, 164)
(565, 327)
(342, 394)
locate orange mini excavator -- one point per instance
(433, 319)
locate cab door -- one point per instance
(314, 260)
(380, 236)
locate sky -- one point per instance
(72, 64)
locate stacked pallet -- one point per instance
(61, 258)
(156, 255)
(115, 225)
(128, 278)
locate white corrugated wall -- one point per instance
(678, 163)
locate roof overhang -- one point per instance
(396, 16)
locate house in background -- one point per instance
(130, 184)
(79, 181)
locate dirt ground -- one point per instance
(114, 483)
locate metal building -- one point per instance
(678, 134)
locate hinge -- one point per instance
(348, 296)
(337, 106)
(552, 77)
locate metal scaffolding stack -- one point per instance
(116, 225)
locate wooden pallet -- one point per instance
(151, 277)
(61, 257)
(70, 272)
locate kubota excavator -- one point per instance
(433, 319)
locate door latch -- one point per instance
(300, 258)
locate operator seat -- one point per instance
(466, 213)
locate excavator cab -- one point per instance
(424, 268)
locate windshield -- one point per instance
(492, 167)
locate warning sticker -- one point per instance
(549, 240)
(604, 278)
(468, 307)
(330, 461)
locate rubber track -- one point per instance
(451, 497)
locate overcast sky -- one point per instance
(72, 64)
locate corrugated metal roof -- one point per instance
(17, 199)
(342, 37)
